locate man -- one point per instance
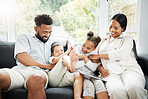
(32, 53)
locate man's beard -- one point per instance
(41, 38)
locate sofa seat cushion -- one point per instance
(52, 93)
(60, 93)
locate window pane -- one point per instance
(134, 35)
(129, 8)
(3, 36)
(3, 20)
(72, 18)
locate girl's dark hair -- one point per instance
(54, 44)
(95, 39)
(43, 19)
(122, 20)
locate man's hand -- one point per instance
(48, 66)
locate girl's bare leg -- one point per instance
(78, 83)
(87, 97)
(102, 95)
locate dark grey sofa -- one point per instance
(7, 61)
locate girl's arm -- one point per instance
(82, 56)
(92, 66)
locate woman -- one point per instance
(124, 77)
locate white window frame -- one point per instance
(9, 20)
(103, 18)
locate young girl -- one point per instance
(87, 68)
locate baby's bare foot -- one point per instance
(74, 59)
(66, 63)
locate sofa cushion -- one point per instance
(59, 93)
(51, 93)
(15, 94)
(7, 54)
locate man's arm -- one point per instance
(27, 60)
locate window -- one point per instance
(72, 18)
(129, 8)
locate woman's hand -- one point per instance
(104, 73)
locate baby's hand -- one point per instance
(70, 48)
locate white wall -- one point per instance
(143, 26)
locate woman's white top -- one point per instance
(120, 55)
(112, 66)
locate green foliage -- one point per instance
(26, 10)
(80, 35)
(78, 16)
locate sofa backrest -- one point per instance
(7, 59)
(134, 49)
(7, 54)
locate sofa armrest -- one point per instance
(143, 62)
